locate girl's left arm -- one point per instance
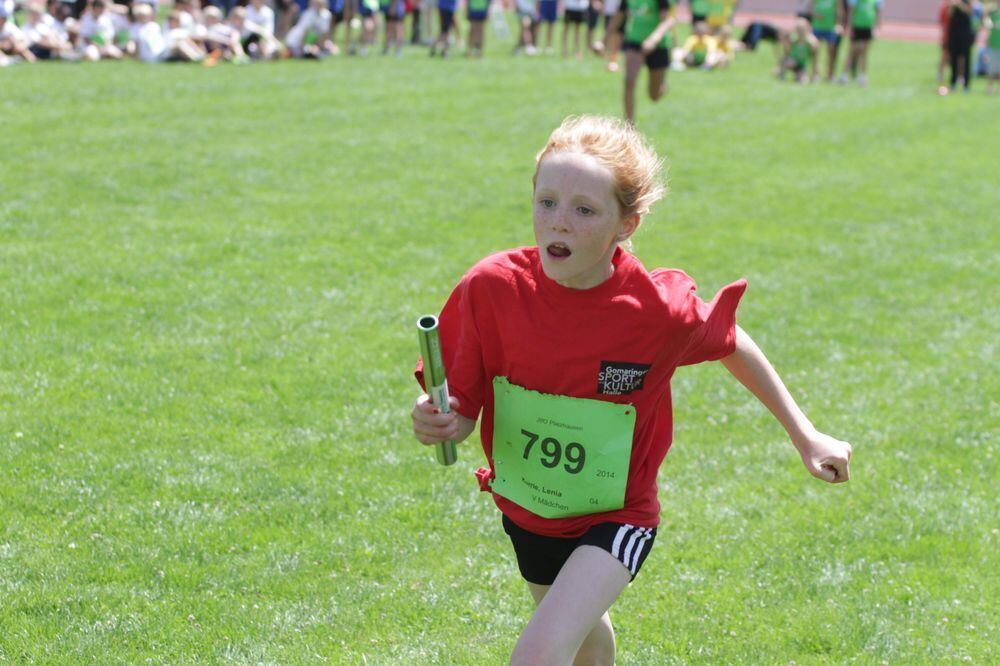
(825, 457)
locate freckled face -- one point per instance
(578, 222)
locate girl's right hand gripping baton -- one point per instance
(434, 378)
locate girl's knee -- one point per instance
(539, 650)
(595, 655)
(599, 647)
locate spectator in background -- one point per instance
(257, 35)
(427, 14)
(179, 44)
(528, 23)
(827, 23)
(944, 14)
(864, 17)
(188, 14)
(337, 8)
(285, 12)
(961, 38)
(725, 47)
(146, 41)
(394, 12)
(446, 19)
(992, 22)
(613, 38)
(366, 9)
(310, 37)
(801, 53)
(62, 17)
(12, 40)
(757, 32)
(97, 33)
(594, 8)
(548, 14)
(219, 39)
(477, 10)
(46, 37)
(699, 49)
(574, 14)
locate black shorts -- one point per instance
(861, 34)
(574, 15)
(592, 17)
(338, 17)
(658, 59)
(446, 19)
(540, 557)
(698, 18)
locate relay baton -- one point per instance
(434, 378)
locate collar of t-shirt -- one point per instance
(622, 261)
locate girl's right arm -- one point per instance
(430, 426)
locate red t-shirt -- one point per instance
(507, 318)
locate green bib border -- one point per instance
(559, 456)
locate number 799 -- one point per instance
(552, 452)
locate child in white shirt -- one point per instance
(310, 37)
(12, 40)
(97, 33)
(220, 39)
(257, 33)
(146, 40)
(46, 38)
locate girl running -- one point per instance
(566, 350)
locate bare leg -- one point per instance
(611, 46)
(633, 64)
(657, 83)
(863, 62)
(572, 610)
(599, 645)
(831, 61)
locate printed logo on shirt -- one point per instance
(620, 378)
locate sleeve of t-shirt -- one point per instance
(461, 350)
(713, 332)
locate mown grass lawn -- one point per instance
(208, 286)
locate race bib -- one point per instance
(558, 456)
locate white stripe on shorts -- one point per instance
(638, 551)
(627, 559)
(616, 547)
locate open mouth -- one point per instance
(558, 250)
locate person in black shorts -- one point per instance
(593, 15)
(574, 15)
(961, 38)
(646, 42)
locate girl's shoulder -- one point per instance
(506, 265)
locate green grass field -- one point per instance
(208, 286)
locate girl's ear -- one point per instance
(629, 224)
